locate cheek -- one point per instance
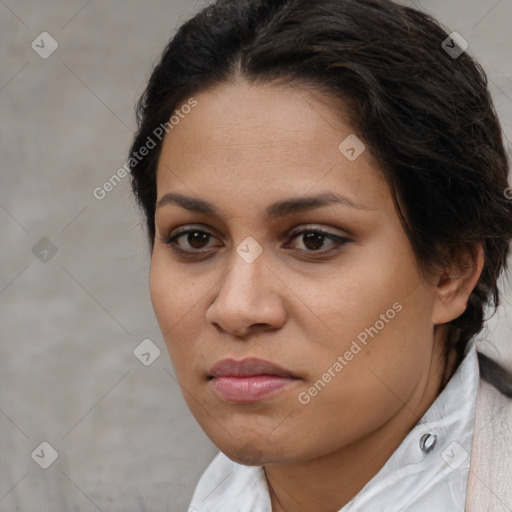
(383, 324)
(173, 290)
(365, 293)
(177, 303)
(378, 313)
(163, 290)
(375, 381)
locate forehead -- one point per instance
(238, 114)
(252, 139)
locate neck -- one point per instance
(328, 483)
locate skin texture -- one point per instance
(242, 148)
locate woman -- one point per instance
(325, 192)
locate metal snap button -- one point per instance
(428, 442)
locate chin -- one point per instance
(252, 453)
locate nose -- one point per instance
(249, 299)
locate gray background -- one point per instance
(69, 325)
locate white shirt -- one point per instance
(427, 472)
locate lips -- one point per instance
(247, 368)
(248, 380)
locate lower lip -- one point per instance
(249, 389)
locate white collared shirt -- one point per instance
(427, 472)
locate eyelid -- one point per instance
(317, 228)
(337, 242)
(183, 230)
(186, 228)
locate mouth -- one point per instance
(249, 380)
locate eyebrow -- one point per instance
(275, 210)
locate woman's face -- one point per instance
(327, 289)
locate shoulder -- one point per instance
(493, 418)
(491, 457)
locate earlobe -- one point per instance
(456, 283)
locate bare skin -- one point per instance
(303, 301)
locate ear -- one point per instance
(456, 283)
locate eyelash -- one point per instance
(337, 240)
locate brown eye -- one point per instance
(197, 239)
(190, 240)
(315, 240)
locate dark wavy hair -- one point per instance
(425, 115)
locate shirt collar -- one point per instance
(428, 471)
